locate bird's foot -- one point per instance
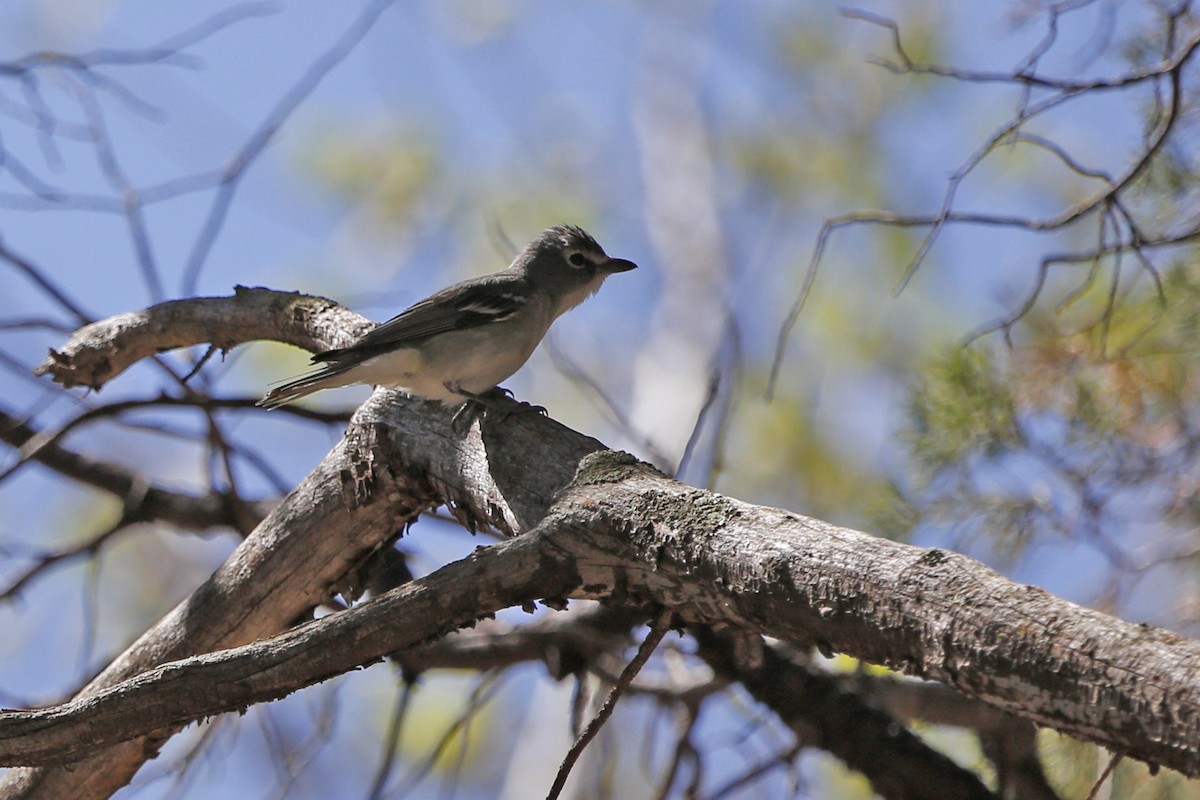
(503, 409)
(465, 416)
(493, 401)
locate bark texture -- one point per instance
(596, 524)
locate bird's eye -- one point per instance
(577, 259)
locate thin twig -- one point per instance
(1112, 764)
(49, 287)
(481, 695)
(1167, 71)
(392, 740)
(906, 65)
(657, 631)
(757, 772)
(265, 133)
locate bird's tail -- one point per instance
(328, 377)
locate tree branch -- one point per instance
(637, 538)
(720, 562)
(143, 502)
(347, 507)
(99, 352)
(201, 686)
(824, 713)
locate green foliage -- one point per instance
(391, 170)
(1086, 432)
(1073, 767)
(964, 407)
(781, 454)
(449, 726)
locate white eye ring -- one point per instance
(577, 259)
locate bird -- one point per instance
(459, 344)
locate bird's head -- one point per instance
(569, 263)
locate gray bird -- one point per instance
(460, 343)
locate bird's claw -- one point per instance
(531, 407)
(465, 416)
(487, 402)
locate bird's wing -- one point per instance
(493, 298)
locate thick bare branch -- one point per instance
(99, 352)
(633, 536)
(930, 613)
(201, 686)
(349, 505)
(545, 562)
(346, 508)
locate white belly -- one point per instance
(474, 360)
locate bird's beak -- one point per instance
(618, 265)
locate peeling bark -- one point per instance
(602, 525)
